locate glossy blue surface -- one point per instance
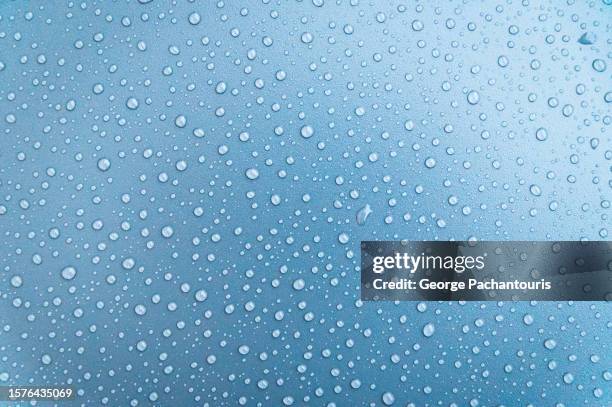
(184, 186)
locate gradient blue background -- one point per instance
(425, 113)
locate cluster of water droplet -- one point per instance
(184, 187)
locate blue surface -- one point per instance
(154, 149)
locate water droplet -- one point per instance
(140, 310)
(167, 231)
(541, 134)
(587, 38)
(104, 164)
(307, 38)
(388, 398)
(473, 97)
(299, 284)
(503, 61)
(194, 18)
(535, 190)
(307, 131)
(68, 273)
(599, 65)
(429, 329)
(16, 281)
(252, 173)
(180, 121)
(132, 103)
(363, 213)
(550, 344)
